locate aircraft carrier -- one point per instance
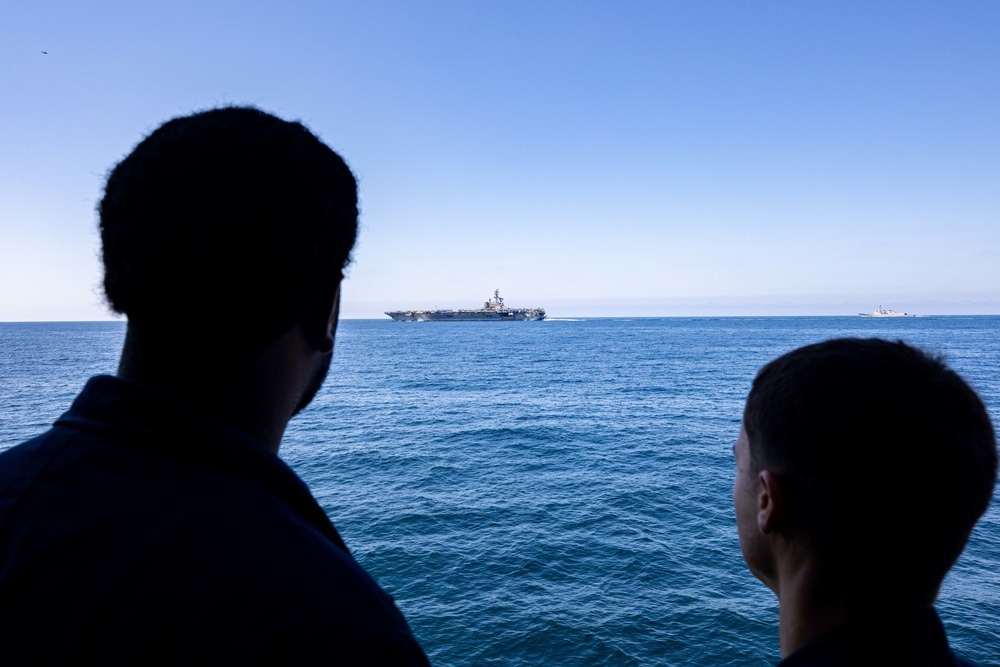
(493, 310)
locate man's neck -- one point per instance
(808, 608)
(250, 393)
(812, 606)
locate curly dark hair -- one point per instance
(228, 213)
(889, 456)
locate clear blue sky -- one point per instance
(593, 158)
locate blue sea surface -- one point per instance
(554, 492)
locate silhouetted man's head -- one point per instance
(887, 459)
(229, 222)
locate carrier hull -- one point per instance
(493, 310)
(518, 315)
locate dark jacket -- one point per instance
(909, 639)
(139, 531)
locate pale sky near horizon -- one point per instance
(628, 158)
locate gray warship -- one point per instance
(880, 312)
(493, 310)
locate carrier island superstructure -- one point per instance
(493, 310)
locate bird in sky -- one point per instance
(45, 52)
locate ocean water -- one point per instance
(550, 493)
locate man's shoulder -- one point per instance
(221, 553)
(281, 594)
(238, 554)
(910, 639)
(175, 522)
(244, 557)
(869, 656)
(32, 449)
(22, 464)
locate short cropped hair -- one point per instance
(228, 215)
(889, 456)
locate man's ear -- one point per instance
(771, 506)
(320, 322)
